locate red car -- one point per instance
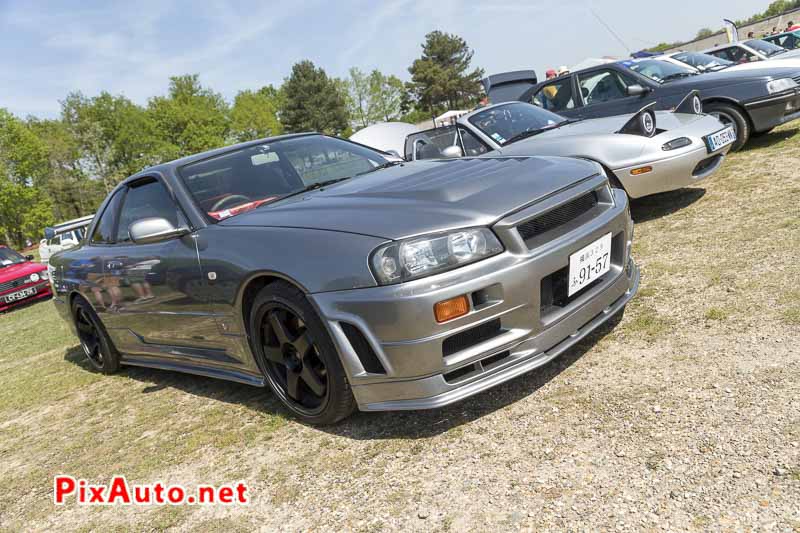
(21, 280)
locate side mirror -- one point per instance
(28, 258)
(149, 230)
(637, 90)
(452, 152)
(49, 233)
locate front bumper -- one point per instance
(771, 111)
(397, 321)
(672, 173)
(43, 292)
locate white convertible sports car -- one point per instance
(643, 153)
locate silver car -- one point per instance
(644, 153)
(340, 277)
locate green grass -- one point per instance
(716, 313)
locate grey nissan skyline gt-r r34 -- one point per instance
(342, 278)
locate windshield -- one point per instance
(242, 180)
(507, 123)
(706, 61)
(658, 70)
(768, 49)
(9, 257)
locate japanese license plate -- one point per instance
(19, 295)
(720, 139)
(589, 263)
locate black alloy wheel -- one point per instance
(293, 360)
(297, 356)
(93, 338)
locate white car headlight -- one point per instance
(34, 277)
(418, 257)
(778, 86)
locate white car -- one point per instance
(704, 62)
(752, 51)
(63, 236)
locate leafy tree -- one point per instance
(702, 33)
(73, 193)
(116, 137)
(373, 97)
(254, 114)
(190, 119)
(441, 78)
(313, 101)
(24, 209)
(388, 92)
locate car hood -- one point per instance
(20, 270)
(727, 77)
(424, 196)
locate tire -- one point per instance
(96, 344)
(729, 114)
(298, 357)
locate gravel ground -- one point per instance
(684, 416)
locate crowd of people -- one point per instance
(790, 26)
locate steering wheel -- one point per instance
(231, 199)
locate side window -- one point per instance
(556, 96)
(104, 230)
(430, 143)
(145, 199)
(603, 86)
(472, 145)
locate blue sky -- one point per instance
(48, 49)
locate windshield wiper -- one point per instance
(677, 75)
(381, 167)
(312, 187)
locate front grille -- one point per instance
(471, 337)
(476, 368)
(558, 216)
(13, 284)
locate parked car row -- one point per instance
(405, 269)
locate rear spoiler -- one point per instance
(508, 86)
(643, 122)
(691, 104)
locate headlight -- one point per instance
(778, 86)
(401, 261)
(44, 274)
(674, 144)
(34, 277)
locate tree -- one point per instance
(441, 78)
(190, 119)
(387, 93)
(254, 115)
(24, 208)
(116, 137)
(313, 101)
(373, 97)
(702, 33)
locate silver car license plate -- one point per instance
(19, 295)
(589, 263)
(720, 139)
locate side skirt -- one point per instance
(219, 373)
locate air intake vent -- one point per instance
(471, 337)
(558, 216)
(363, 349)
